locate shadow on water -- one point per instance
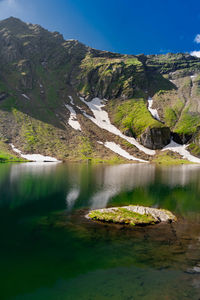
(50, 251)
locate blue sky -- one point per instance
(125, 26)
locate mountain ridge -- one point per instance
(40, 71)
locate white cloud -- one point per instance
(197, 39)
(195, 53)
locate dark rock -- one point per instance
(128, 132)
(156, 138)
(3, 96)
(181, 138)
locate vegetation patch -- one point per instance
(7, 156)
(188, 123)
(168, 158)
(122, 216)
(111, 77)
(194, 149)
(170, 117)
(132, 115)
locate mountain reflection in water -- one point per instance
(50, 251)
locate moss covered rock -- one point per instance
(132, 215)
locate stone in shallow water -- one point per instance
(133, 215)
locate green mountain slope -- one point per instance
(39, 70)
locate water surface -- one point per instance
(48, 250)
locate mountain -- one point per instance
(50, 91)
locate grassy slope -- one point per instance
(168, 158)
(6, 154)
(110, 75)
(132, 115)
(42, 133)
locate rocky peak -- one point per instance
(14, 25)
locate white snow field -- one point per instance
(73, 122)
(181, 149)
(102, 120)
(153, 111)
(117, 149)
(34, 157)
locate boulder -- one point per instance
(155, 138)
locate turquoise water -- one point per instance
(48, 250)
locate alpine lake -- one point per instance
(50, 251)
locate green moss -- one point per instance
(85, 147)
(188, 123)
(132, 61)
(121, 216)
(161, 92)
(36, 135)
(134, 115)
(167, 158)
(6, 155)
(195, 149)
(178, 106)
(170, 117)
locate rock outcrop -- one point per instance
(181, 138)
(155, 138)
(132, 215)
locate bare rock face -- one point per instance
(181, 138)
(156, 138)
(161, 215)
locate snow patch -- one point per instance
(153, 111)
(71, 100)
(181, 149)
(73, 122)
(34, 157)
(195, 53)
(102, 120)
(25, 96)
(117, 149)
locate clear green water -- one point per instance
(48, 250)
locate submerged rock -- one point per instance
(132, 215)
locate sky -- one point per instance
(123, 26)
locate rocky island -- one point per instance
(132, 215)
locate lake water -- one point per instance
(48, 250)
